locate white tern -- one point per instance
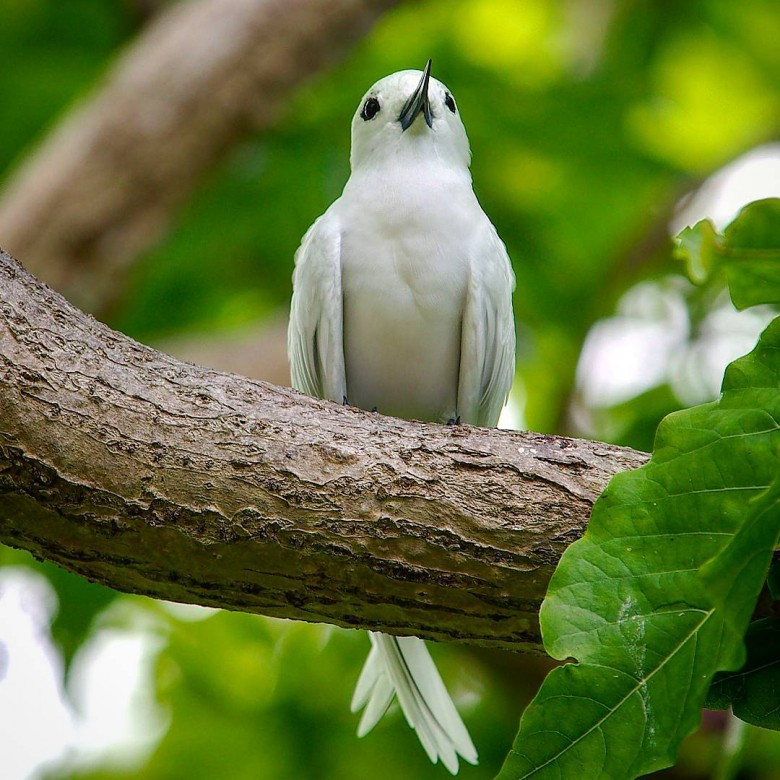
(402, 303)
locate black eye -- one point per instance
(370, 109)
(449, 101)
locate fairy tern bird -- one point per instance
(402, 303)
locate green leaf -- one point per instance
(748, 252)
(697, 247)
(752, 254)
(730, 578)
(628, 602)
(754, 691)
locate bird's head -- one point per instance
(408, 116)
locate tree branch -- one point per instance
(158, 477)
(103, 186)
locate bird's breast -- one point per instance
(404, 286)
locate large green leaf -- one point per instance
(728, 578)
(753, 692)
(631, 602)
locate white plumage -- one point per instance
(402, 302)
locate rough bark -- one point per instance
(159, 477)
(103, 186)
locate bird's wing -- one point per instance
(403, 666)
(487, 356)
(315, 337)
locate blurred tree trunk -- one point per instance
(105, 183)
(258, 351)
(158, 477)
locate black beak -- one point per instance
(417, 102)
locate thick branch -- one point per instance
(158, 477)
(103, 186)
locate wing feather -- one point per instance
(487, 362)
(315, 337)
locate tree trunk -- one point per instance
(103, 186)
(159, 477)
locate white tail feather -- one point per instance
(367, 679)
(404, 667)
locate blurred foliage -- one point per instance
(588, 119)
(79, 602)
(249, 697)
(740, 252)
(57, 50)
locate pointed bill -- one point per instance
(418, 102)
